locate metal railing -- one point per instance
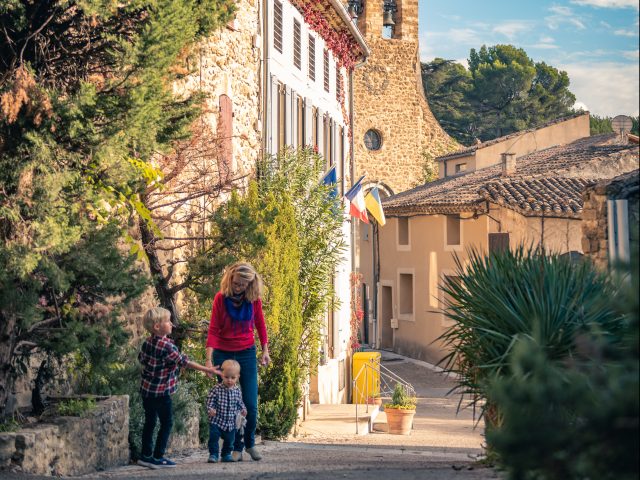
(388, 380)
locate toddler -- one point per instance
(224, 404)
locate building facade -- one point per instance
(394, 129)
(533, 200)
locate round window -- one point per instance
(373, 140)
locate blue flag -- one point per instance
(331, 178)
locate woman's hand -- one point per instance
(212, 371)
(265, 359)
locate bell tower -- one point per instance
(394, 129)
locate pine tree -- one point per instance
(85, 102)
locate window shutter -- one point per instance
(498, 242)
(225, 136)
(277, 25)
(326, 70)
(297, 44)
(312, 58)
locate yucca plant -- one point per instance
(526, 293)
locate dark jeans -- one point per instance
(156, 407)
(249, 385)
(228, 439)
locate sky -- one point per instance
(594, 41)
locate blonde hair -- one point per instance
(154, 316)
(230, 363)
(246, 272)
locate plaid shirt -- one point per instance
(161, 360)
(227, 402)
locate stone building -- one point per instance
(535, 199)
(394, 129)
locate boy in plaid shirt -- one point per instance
(161, 361)
(224, 403)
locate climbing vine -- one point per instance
(357, 314)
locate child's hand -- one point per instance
(212, 412)
(243, 413)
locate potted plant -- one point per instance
(374, 399)
(400, 411)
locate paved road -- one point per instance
(442, 446)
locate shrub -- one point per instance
(514, 295)
(76, 407)
(401, 398)
(576, 418)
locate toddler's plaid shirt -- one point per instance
(227, 403)
(161, 360)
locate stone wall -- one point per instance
(389, 98)
(71, 445)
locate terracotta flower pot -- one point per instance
(400, 420)
(374, 401)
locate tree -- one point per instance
(599, 125)
(503, 91)
(447, 84)
(290, 226)
(85, 103)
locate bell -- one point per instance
(387, 19)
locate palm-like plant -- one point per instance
(498, 299)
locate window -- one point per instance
(282, 116)
(453, 229)
(403, 231)
(314, 128)
(405, 307)
(277, 25)
(498, 242)
(373, 140)
(461, 167)
(297, 44)
(338, 83)
(300, 127)
(326, 69)
(312, 58)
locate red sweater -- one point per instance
(223, 335)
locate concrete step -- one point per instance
(379, 425)
(339, 419)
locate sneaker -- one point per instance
(148, 462)
(253, 453)
(228, 458)
(163, 463)
(213, 459)
(237, 456)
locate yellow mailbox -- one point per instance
(366, 374)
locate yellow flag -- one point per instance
(374, 205)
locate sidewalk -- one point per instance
(439, 430)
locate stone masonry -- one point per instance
(71, 445)
(389, 98)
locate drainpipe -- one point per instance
(266, 82)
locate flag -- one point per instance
(356, 199)
(374, 205)
(331, 178)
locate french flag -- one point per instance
(355, 195)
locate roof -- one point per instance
(547, 183)
(463, 152)
(551, 196)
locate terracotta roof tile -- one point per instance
(548, 182)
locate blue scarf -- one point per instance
(240, 311)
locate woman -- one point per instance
(237, 310)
